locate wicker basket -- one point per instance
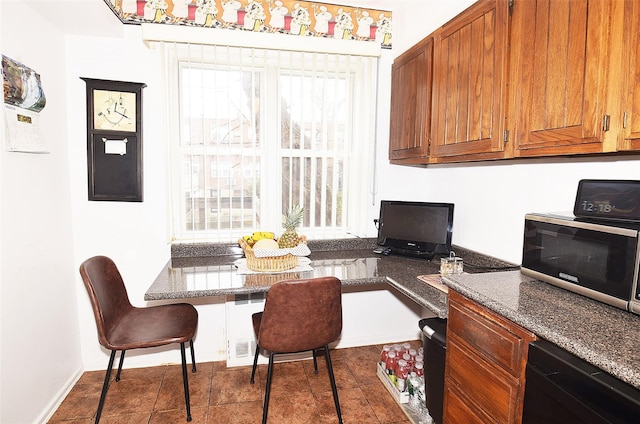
(268, 263)
(262, 280)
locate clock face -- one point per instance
(114, 110)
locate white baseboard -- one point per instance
(56, 401)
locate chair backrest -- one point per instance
(301, 315)
(107, 293)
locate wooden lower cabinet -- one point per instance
(485, 365)
(461, 410)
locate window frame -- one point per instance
(356, 189)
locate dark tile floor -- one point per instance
(224, 395)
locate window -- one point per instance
(256, 131)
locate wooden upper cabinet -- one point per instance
(631, 70)
(559, 76)
(469, 83)
(520, 78)
(410, 125)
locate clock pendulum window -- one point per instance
(114, 140)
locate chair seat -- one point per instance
(154, 326)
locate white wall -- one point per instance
(40, 355)
(414, 19)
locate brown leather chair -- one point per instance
(122, 326)
(298, 316)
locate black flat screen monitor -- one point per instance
(421, 229)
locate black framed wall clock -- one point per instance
(114, 140)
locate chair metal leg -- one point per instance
(267, 391)
(105, 386)
(193, 356)
(185, 379)
(120, 365)
(255, 364)
(334, 388)
(315, 361)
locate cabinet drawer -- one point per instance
(458, 409)
(490, 389)
(488, 334)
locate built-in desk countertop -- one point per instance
(208, 270)
(602, 335)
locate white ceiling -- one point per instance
(79, 17)
(94, 17)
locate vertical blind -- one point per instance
(254, 131)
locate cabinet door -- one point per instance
(459, 410)
(410, 124)
(470, 69)
(488, 389)
(631, 50)
(559, 75)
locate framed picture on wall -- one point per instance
(114, 140)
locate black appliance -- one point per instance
(434, 339)
(597, 259)
(421, 229)
(562, 388)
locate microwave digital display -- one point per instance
(593, 259)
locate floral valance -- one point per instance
(294, 17)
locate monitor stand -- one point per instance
(412, 253)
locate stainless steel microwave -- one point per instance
(596, 259)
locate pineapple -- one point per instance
(290, 221)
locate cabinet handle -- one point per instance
(605, 122)
(624, 120)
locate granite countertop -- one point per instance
(218, 276)
(602, 335)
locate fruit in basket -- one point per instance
(290, 222)
(259, 235)
(251, 239)
(265, 243)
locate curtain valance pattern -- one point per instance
(293, 17)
